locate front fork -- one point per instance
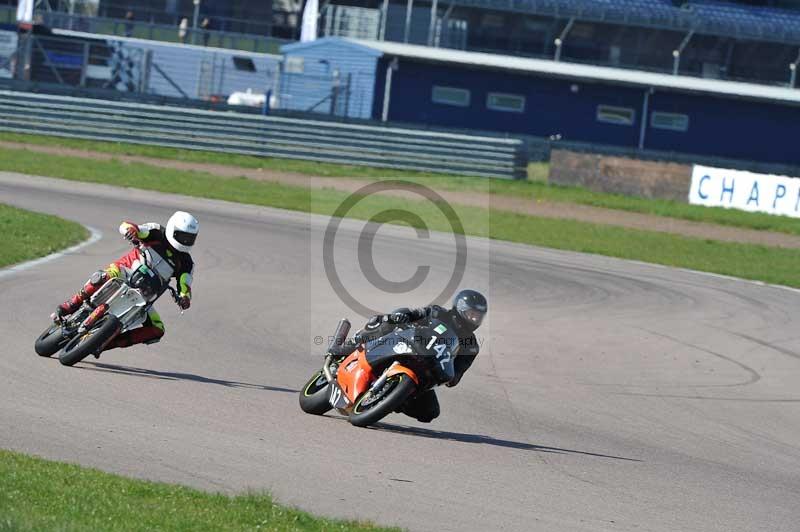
(326, 368)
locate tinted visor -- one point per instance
(473, 316)
(184, 238)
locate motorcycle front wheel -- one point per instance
(371, 408)
(50, 341)
(83, 345)
(314, 396)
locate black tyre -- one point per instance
(314, 396)
(83, 345)
(369, 409)
(50, 341)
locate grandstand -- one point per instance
(713, 39)
(756, 41)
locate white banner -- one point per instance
(25, 11)
(308, 32)
(748, 191)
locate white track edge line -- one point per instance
(94, 236)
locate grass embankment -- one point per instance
(535, 189)
(37, 494)
(774, 265)
(27, 235)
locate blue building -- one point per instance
(331, 75)
(469, 90)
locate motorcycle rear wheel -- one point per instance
(368, 410)
(50, 341)
(83, 345)
(314, 396)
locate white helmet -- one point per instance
(182, 230)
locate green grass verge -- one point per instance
(38, 494)
(231, 159)
(534, 189)
(27, 235)
(774, 265)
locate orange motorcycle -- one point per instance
(382, 373)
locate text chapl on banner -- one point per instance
(748, 191)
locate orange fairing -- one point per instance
(354, 374)
(399, 369)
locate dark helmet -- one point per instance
(471, 306)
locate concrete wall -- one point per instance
(621, 175)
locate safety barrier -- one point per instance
(269, 136)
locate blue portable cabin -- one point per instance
(470, 90)
(311, 69)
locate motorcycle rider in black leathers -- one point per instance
(469, 308)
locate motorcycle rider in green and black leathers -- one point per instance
(465, 316)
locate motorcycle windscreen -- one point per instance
(435, 342)
(384, 350)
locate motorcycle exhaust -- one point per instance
(326, 368)
(342, 330)
(339, 337)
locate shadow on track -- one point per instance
(172, 376)
(488, 440)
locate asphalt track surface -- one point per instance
(610, 395)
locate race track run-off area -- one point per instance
(609, 395)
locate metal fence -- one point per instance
(270, 136)
(143, 67)
(251, 37)
(163, 32)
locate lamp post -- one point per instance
(676, 54)
(559, 42)
(676, 62)
(793, 71)
(194, 20)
